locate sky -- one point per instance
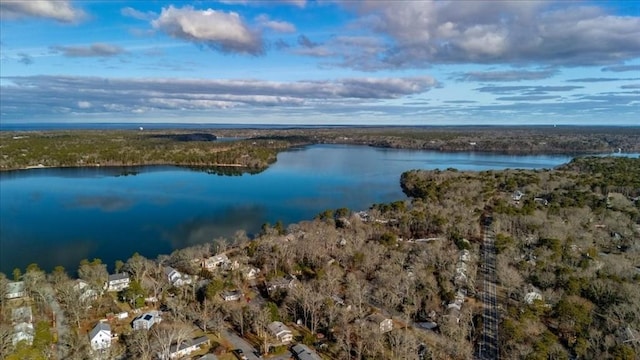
(369, 62)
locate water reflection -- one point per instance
(60, 216)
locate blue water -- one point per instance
(60, 216)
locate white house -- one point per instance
(175, 277)
(23, 332)
(250, 273)
(178, 351)
(234, 295)
(146, 320)
(517, 195)
(100, 336)
(22, 314)
(381, 323)
(118, 282)
(15, 290)
(216, 262)
(302, 352)
(532, 296)
(281, 332)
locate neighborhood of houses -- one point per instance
(102, 335)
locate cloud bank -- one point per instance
(421, 33)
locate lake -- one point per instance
(60, 216)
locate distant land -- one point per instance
(253, 149)
(44, 126)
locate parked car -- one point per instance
(240, 354)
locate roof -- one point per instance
(229, 293)
(277, 327)
(101, 326)
(189, 343)
(302, 352)
(21, 314)
(168, 270)
(217, 258)
(24, 327)
(377, 318)
(118, 276)
(15, 287)
(148, 316)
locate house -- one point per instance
(100, 336)
(234, 295)
(216, 262)
(281, 332)
(382, 324)
(23, 332)
(542, 201)
(118, 282)
(175, 277)
(178, 351)
(517, 195)
(465, 256)
(250, 273)
(22, 314)
(15, 290)
(532, 296)
(287, 282)
(146, 320)
(86, 293)
(302, 352)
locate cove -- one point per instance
(60, 216)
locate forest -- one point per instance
(398, 281)
(254, 150)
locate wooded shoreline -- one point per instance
(256, 149)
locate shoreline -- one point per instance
(235, 165)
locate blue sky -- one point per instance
(368, 62)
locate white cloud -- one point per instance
(225, 32)
(278, 26)
(84, 104)
(137, 14)
(58, 10)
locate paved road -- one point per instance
(62, 327)
(488, 345)
(240, 343)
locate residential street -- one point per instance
(240, 343)
(62, 327)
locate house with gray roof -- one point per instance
(15, 290)
(100, 336)
(118, 282)
(146, 320)
(303, 352)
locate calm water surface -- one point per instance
(60, 216)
